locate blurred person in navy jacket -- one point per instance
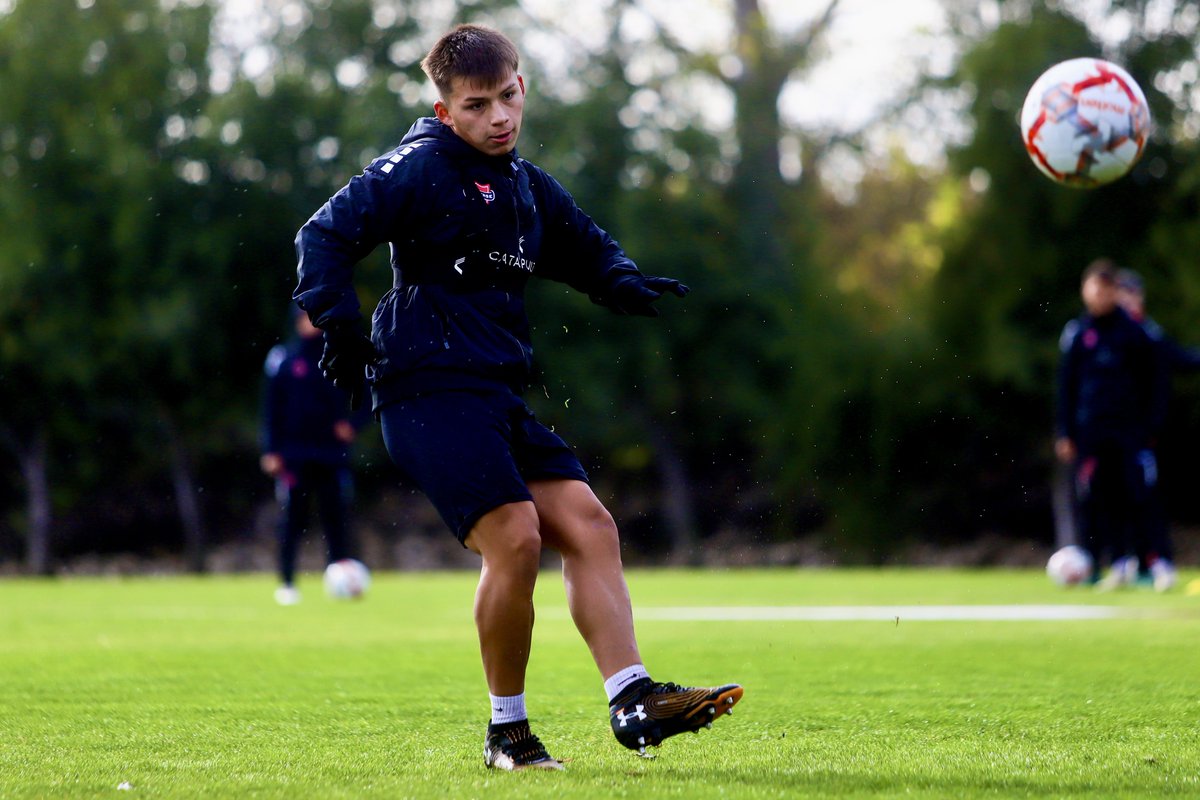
(1152, 539)
(307, 431)
(1111, 406)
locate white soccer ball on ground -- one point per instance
(1085, 122)
(347, 579)
(1070, 565)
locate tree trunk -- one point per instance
(757, 188)
(675, 495)
(757, 183)
(676, 500)
(187, 499)
(34, 460)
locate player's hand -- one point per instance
(1064, 448)
(271, 464)
(635, 294)
(345, 358)
(344, 431)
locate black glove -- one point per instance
(345, 358)
(635, 294)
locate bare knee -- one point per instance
(521, 554)
(509, 539)
(595, 517)
(591, 531)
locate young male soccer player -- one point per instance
(1155, 552)
(468, 222)
(1111, 405)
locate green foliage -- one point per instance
(89, 202)
(836, 360)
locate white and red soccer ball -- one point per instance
(1085, 122)
(1069, 566)
(347, 579)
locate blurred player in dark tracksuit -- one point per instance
(307, 431)
(1111, 405)
(1152, 539)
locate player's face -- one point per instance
(1099, 295)
(486, 117)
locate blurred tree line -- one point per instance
(867, 356)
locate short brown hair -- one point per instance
(470, 51)
(1103, 268)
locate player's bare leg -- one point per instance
(509, 541)
(574, 522)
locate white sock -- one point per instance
(617, 682)
(508, 709)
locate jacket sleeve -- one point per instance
(576, 251)
(1180, 358)
(1176, 357)
(272, 400)
(361, 216)
(1068, 382)
(1158, 359)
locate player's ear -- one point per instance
(521, 82)
(443, 113)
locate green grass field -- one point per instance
(203, 687)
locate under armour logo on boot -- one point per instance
(637, 712)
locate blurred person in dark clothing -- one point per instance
(1152, 539)
(1131, 296)
(1111, 403)
(307, 431)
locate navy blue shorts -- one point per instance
(471, 452)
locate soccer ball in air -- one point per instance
(1085, 122)
(1070, 565)
(347, 579)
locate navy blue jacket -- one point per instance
(1178, 358)
(1112, 386)
(300, 407)
(466, 232)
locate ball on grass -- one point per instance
(1069, 566)
(347, 579)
